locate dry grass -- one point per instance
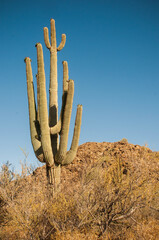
(110, 202)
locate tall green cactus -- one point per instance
(45, 128)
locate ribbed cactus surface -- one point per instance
(45, 127)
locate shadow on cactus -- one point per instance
(45, 128)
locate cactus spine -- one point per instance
(45, 130)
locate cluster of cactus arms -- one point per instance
(45, 128)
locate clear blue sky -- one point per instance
(112, 48)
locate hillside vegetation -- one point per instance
(110, 191)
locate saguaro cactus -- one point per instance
(45, 128)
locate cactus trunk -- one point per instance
(53, 106)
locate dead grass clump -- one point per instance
(112, 201)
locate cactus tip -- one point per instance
(27, 58)
(37, 44)
(79, 105)
(52, 20)
(70, 82)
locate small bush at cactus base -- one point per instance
(106, 202)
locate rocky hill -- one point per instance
(132, 157)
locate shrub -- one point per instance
(110, 202)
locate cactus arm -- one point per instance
(77, 128)
(73, 150)
(67, 117)
(53, 105)
(38, 98)
(43, 113)
(46, 37)
(38, 118)
(32, 111)
(53, 34)
(62, 43)
(57, 128)
(59, 158)
(65, 76)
